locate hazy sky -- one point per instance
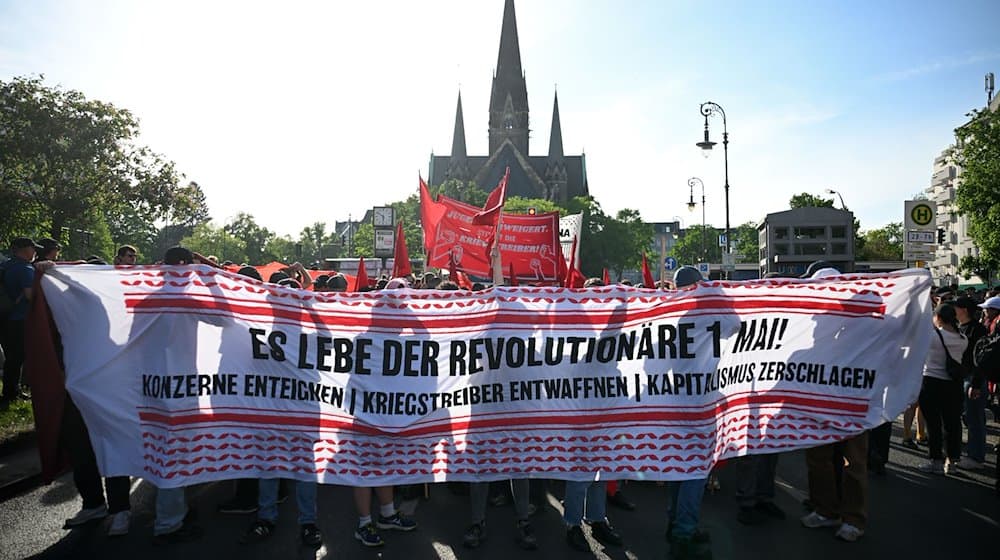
(300, 111)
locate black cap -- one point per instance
(249, 272)
(320, 282)
(687, 275)
(48, 244)
(22, 242)
(277, 277)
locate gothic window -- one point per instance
(508, 121)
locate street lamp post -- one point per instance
(842, 205)
(691, 204)
(708, 109)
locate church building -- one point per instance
(555, 176)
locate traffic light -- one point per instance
(940, 236)
(532, 211)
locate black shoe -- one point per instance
(750, 516)
(260, 530)
(526, 535)
(688, 549)
(474, 535)
(909, 443)
(576, 539)
(604, 533)
(699, 536)
(311, 535)
(770, 509)
(619, 501)
(237, 506)
(877, 468)
(187, 533)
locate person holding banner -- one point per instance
(586, 500)
(941, 393)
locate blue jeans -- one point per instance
(171, 507)
(975, 421)
(684, 506)
(305, 498)
(586, 494)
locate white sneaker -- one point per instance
(86, 515)
(120, 523)
(934, 467)
(815, 521)
(849, 533)
(953, 466)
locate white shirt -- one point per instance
(934, 366)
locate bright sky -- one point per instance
(299, 112)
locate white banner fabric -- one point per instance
(569, 229)
(191, 374)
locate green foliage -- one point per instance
(62, 156)
(746, 242)
(882, 244)
(982, 268)
(467, 192)
(210, 240)
(977, 153)
(806, 200)
(253, 237)
(688, 249)
(520, 205)
(364, 242)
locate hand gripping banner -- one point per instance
(191, 374)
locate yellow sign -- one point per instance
(921, 214)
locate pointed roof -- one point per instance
(509, 58)
(458, 138)
(555, 136)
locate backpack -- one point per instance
(986, 356)
(957, 371)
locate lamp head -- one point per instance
(691, 205)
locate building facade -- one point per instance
(791, 240)
(554, 176)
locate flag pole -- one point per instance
(495, 253)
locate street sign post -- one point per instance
(919, 222)
(918, 236)
(669, 263)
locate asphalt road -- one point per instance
(911, 516)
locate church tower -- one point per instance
(458, 165)
(555, 166)
(509, 97)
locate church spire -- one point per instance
(458, 138)
(509, 97)
(555, 136)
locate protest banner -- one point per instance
(529, 243)
(191, 374)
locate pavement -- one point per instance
(912, 515)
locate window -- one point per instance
(838, 232)
(810, 248)
(781, 248)
(838, 248)
(781, 233)
(810, 232)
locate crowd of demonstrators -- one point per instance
(967, 328)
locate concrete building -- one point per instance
(791, 240)
(946, 179)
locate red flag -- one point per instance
(647, 275)
(462, 279)
(510, 272)
(48, 381)
(401, 258)
(606, 278)
(494, 204)
(361, 280)
(574, 278)
(431, 213)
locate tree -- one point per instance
(976, 265)
(746, 242)
(977, 153)
(520, 205)
(882, 244)
(210, 240)
(688, 249)
(63, 155)
(254, 238)
(806, 200)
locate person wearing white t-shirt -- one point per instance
(941, 395)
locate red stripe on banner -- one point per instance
(476, 425)
(772, 398)
(492, 318)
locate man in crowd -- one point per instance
(18, 280)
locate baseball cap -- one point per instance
(22, 242)
(48, 244)
(991, 303)
(178, 255)
(687, 275)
